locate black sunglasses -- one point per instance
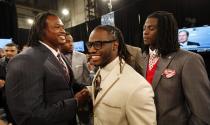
(97, 44)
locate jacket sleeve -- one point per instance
(140, 107)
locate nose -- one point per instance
(62, 30)
(145, 32)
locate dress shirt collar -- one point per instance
(183, 44)
(153, 53)
(55, 53)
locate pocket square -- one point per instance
(168, 73)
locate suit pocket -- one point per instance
(112, 113)
(111, 105)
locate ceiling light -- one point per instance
(30, 21)
(65, 12)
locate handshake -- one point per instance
(82, 96)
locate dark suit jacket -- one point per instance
(2, 77)
(182, 98)
(192, 43)
(37, 91)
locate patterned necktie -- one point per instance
(152, 60)
(97, 83)
(70, 59)
(63, 67)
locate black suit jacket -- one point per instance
(2, 77)
(37, 91)
(192, 43)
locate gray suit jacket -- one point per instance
(136, 60)
(37, 91)
(182, 89)
(79, 67)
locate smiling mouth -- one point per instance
(95, 57)
(62, 37)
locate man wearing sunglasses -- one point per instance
(120, 95)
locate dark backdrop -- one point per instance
(129, 18)
(8, 21)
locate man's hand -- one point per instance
(82, 96)
(2, 82)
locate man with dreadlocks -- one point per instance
(40, 84)
(178, 77)
(120, 95)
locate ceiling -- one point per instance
(39, 4)
(30, 8)
(46, 5)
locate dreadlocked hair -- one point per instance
(117, 35)
(37, 29)
(167, 38)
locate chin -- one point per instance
(96, 63)
(146, 43)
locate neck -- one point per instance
(152, 47)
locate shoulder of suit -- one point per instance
(187, 55)
(133, 77)
(133, 50)
(78, 53)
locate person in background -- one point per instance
(178, 77)
(1, 52)
(183, 39)
(77, 60)
(121, 96)
(40, 87)
(10, 50)
(81, 73)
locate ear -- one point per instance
(115, 45)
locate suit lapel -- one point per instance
(162, 65)
(53, 60)
(146, 60)
(109, 82)
(71, 75)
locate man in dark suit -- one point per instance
(179, 78)
(39, 84)
(183, 39)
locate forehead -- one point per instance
(10, 48)
(54, 20)
(99, 34)
(182, 33)
(151, 21)
(69, 38)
